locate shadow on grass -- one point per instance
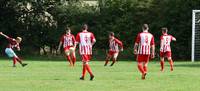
(57, 79)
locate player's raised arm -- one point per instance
(1, 33)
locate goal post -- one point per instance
(195, 53)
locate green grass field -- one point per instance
(124, 76)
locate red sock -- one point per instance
(162, 65)
(14, 60)
(140, 68)
(69, 59)
(171, 64)
(145, 69)
(84, 70)
(73, 60)
(89, 69)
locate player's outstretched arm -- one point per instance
(1, 33)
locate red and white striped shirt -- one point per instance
(114, 44)
(85, 40)
(68, 40)
(165, 43)
(145, 41)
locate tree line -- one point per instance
(41, 22)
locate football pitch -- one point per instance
(123, 76)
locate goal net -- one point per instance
(195, 55)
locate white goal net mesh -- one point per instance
(195, 35)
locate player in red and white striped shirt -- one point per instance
(144, 48)
(165, 49)
(69, 45)
(114, 44)
(86, 40)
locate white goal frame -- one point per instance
(193, 34)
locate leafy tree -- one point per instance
(42, 22)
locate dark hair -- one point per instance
(145, 26)
(112, 34)
(85, 27)
(164, 29)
